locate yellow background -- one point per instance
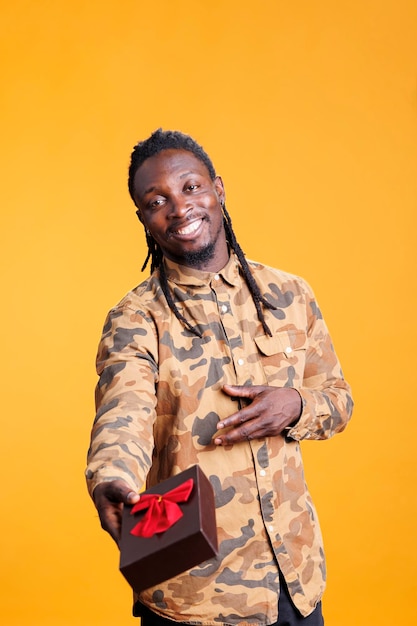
(308, 110)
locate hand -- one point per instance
(109, 498)
(270, 411)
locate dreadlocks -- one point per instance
(165, 140)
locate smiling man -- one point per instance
(180, 205)
(222, 362)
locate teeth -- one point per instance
(189, 229)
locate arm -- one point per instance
(327, 402)
(121, 447)
(318, 409)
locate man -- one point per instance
(226, 363)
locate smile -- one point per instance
(190, 229)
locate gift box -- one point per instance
(184, 503)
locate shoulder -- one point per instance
(284, 280)
(138, 310)
(286, 291)
(143, 297)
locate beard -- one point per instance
(198, 257)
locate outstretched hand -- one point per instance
(271, 409)
(109, 498)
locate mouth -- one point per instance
(189, 229)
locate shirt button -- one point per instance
(270, 528)
(288, 349)
(216, 277)
(240, 362)
(262, 473)
(224, 308)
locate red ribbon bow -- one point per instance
(163, 510)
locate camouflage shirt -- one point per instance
(159, 398)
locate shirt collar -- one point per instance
(183, 275)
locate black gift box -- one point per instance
(147, 561)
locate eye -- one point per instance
(192, 187)
(155, 203)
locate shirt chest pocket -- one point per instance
(283, 357)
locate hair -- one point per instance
(174, 140)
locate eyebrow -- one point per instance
(188, 174)
(149, 190)
(184, 175)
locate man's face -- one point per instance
(181, 207)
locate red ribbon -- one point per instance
(163, 510)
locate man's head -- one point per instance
(165, 140)
(179, 200)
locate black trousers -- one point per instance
(288, 615)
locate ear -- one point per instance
(219, 187)
(138, 213)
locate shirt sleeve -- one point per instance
(122, 435)
(326, 397)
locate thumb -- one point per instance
(132, 497)
(116, 491)
(240, 391)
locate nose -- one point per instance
(179, 205)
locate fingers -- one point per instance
(243, 424)
(249, 426)
(240, 417)
(271, 409)
(249, 430)
(247, 413)
(109, 498)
